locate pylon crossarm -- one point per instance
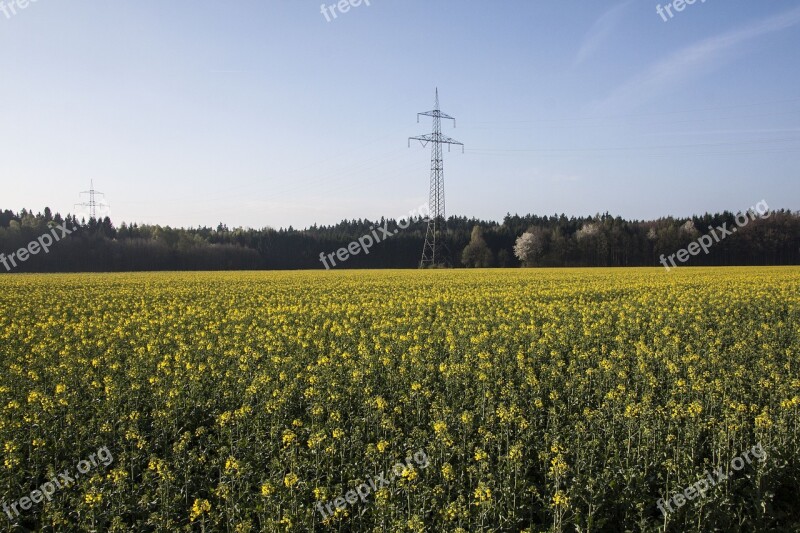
(448, 140)
(423, 141)
(436, 114)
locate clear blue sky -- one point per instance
(262, 113)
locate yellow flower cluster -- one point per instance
(542, 398)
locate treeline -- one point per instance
(601, 240)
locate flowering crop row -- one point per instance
(545, 400)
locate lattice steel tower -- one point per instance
(92, 204)
(434, 251)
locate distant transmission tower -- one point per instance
(92, 204)
(434, 250)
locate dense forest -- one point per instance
(600, 240)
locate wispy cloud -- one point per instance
(692, 60)
(600, 31)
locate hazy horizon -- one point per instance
(273, 115)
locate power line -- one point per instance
(656, 114)
(629, 148)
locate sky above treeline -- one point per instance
(285, 112)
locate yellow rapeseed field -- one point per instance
(542, 400)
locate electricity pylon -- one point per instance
(434, 252)
(92, 204)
